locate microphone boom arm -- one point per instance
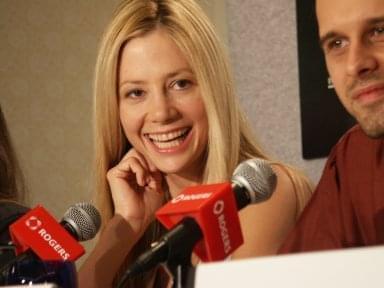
(175, 248)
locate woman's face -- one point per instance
(161, 109)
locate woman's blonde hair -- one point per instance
(230, 140)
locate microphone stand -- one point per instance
(180, 268)
(180, 251)
(174, 249)
(182, 276)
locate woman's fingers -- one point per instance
(145, 161)
(132, 169)
(153, 177)
(140, 157)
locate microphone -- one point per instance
(37, 233)
(82, 221)
(205, 217)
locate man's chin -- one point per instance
(372, 121)
(374, 132)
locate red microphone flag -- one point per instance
(214, 208)
(39, 231)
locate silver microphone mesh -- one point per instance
(257, 177)
(84, 219)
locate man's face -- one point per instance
(352, 38)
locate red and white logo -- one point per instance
(190, 197)
(33, 223)
(39, 231)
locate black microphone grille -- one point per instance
(257, 177)
(84, 219)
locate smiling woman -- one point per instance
(166, 117)
(161, 109)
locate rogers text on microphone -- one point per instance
(218, 210)
(54, 244)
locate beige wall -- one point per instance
(47, 57)
(263, 45)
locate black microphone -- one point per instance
(253, 181)
(82, 221)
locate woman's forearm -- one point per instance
(112, 248)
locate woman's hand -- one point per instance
(137, 192)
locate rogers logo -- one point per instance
(59, 249)
(218, 210)
(33, 223)
(183, 197)
(219, 207)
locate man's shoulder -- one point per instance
(354, 147)
(355, 138)
(355, 133)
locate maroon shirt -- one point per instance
(347, 208)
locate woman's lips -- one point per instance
(169, 142)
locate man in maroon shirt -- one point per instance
(347, 209)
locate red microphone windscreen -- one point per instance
(214, 208)
(39, 231)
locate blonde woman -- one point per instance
(166, 118)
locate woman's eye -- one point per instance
(135, 93)
(181, 84)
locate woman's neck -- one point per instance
(177, 183)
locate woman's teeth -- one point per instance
(167, 145)
(169, 140)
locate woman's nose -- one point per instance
(161, 108)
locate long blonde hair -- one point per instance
(230, 139)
